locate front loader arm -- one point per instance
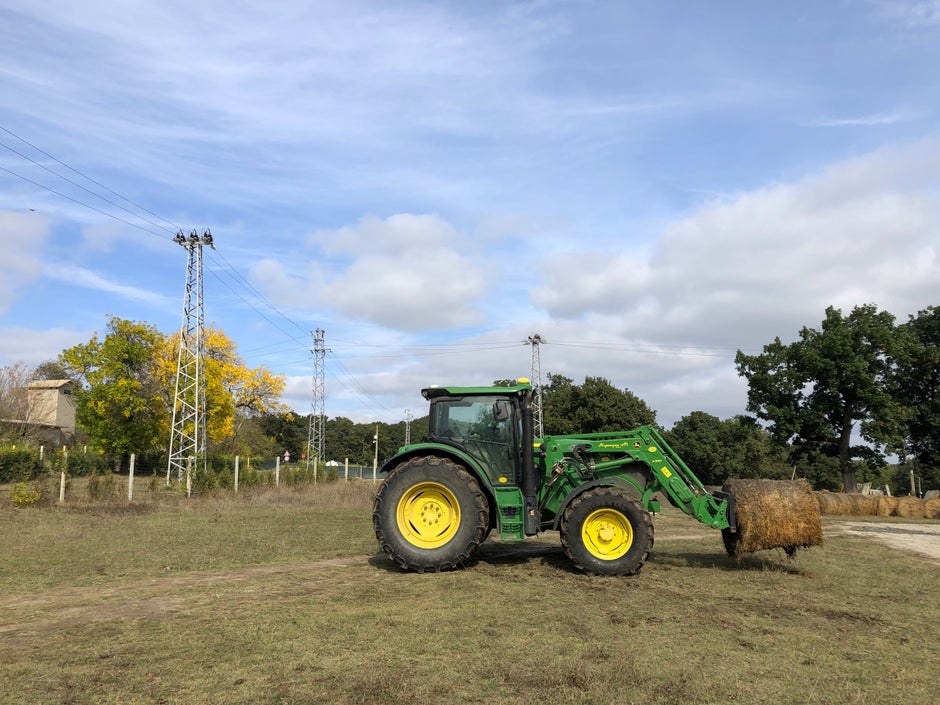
(639, 460)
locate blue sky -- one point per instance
(650, 186)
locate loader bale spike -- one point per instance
(772, 514)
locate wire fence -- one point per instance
(37, 474)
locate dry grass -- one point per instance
(773, 514)
(267, 600)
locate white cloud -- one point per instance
(83, 277)
(22, 238)
(738, 272)
(406, 272)
(911, 14)
(868, 120)
(19, 344)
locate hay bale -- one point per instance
(887, 506)
(861, 505)
(827, 502)
(932, 508)
(772, 514)
(911, 507)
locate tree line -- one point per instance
(834, 406)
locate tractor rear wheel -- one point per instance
(430, 514)
(606, 532)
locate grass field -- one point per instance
(279, 596)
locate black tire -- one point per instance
(606, 532)
(430, 514)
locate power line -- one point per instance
(86, 205)
(243, 279)
(83, 188)
(174, 227)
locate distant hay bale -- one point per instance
(911, 507)
(932, 508)
(834, 503)
(858, 505)
(827, 502)
(887, 506)
(772, 514)
(862, 505)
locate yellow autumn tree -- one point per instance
(234, 391)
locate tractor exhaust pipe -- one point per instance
(530, 478)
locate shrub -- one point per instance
(102, 486)
(81, 464)
(25, 494)
(19, 463)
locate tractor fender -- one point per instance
(618, 482)
(445, 451)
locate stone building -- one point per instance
(52, 409)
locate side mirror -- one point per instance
(501, 410)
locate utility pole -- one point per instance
(536, 376)
(188, 432)
(375, 458)
(407, 427)
(316, 430)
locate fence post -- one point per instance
(236, 474)
(130, 478)
(346, 471)
(277, 471)
(41, 450)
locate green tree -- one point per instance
(832, 382)
(717, 449)
(288, 431)
(916, 388)
(119, 402)
(591, 407)
(50, 369)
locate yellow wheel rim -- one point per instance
(428, 515)
(607, 534)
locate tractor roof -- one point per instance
(521, 387)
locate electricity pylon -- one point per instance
(316, 430)
(188, 433)
(536, 376)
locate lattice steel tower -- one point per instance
(407, 427)
(316, 431)
(188, 434)
(536, 376)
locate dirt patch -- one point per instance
(920, 539)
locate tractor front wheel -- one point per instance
(430, 514)
(606, 532)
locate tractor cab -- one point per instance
(483, 422)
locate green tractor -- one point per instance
(481, 469)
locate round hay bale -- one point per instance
(932, 508)
(887, 506)
(841, 504)
(861, 505)
(826, 501)
(911, 507)
(772, 514)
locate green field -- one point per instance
(279, 596)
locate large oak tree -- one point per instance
(828, 385)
